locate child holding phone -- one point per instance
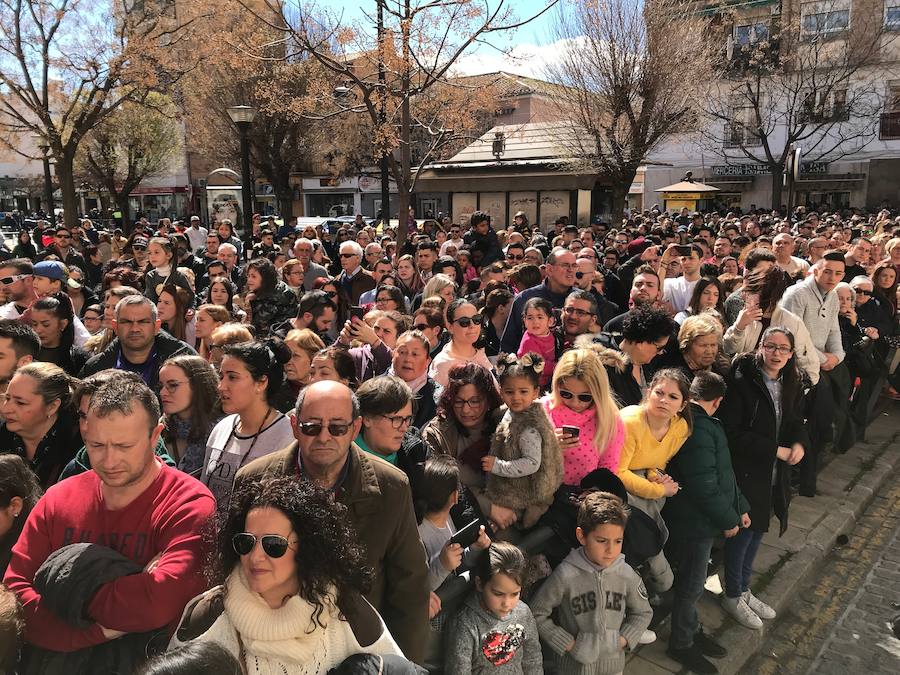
(580, 398)
(440, 490)
(525, 466)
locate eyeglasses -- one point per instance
(348, 255)
(466, 321)
(273, 545)
(769, 347)
(576, 311)
(387, 299)
(6, 281)
(863, 291)
(171, 387)
(473, 403)
(398, 421)
(568, 395)
(510, 256)
(315, 428)
(420, 326)
(332, 294)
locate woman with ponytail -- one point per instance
(39, 424)
(251, 376)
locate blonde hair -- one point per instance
(306, 340)
(216, 313)
(585, 365)
(698, 326)
(436, 284)
(232, 333)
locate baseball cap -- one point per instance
(140, 241)
(195, 219)
(51, 269)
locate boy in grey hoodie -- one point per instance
(601, 603)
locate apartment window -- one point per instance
(892, 16)
(751, 33)
(824, 18)
(737, 132)
(828, 106)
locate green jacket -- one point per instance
(708, 501)
(81, 462)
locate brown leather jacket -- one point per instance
(379, 501)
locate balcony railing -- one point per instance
(890, 126)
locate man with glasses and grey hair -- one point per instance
(353, 279)
(140, 345)
(378, 499)
(560, 278)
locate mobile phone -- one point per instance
(356, 311)
(571, 431)
(467, 535)
(683, 249)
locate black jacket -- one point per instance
(166, 346)
(53, 452)
(67, 582)
(748, 414)
(424, 405)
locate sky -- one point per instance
(531, 45)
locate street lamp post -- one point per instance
(382, 119)
(242, 116)
(44, 146)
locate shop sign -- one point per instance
(732, 170)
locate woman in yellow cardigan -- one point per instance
(654, 431)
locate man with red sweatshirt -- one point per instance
(130, 502)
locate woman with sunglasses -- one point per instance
(468, 412)
(188, 391)
(580, 398)
(292, 577)
(250, 379)
(766, 436)
(464, 326)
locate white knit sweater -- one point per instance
(278, 641)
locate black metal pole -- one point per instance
(48, 191)
(382, 118)
(244, 128)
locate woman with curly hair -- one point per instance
(292, 579)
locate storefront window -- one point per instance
(330, 205)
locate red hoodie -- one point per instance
(166, 518)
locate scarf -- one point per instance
(415, 384)
(282, 633)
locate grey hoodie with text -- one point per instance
(593, 606)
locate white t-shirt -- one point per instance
(678, 291)
(227, 451)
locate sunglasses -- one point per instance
(863, 291)
(6, 281)
(273, 545)
(515, 257)
(568, 395)
(348, 255)
(420, 326)
(466, 321)
(315, 428)
(332, 294)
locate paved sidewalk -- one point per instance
(846, 486)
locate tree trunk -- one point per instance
(618, 201)
(284, 195)
(65, 174)
(121, 199)
(777, 184)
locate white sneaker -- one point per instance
(647, 637)
(740, 612)
(761, 609)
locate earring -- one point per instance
(16, 514)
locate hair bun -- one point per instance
(281, 353)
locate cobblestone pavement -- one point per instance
(837, 624)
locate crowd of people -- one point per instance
(487, 447)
